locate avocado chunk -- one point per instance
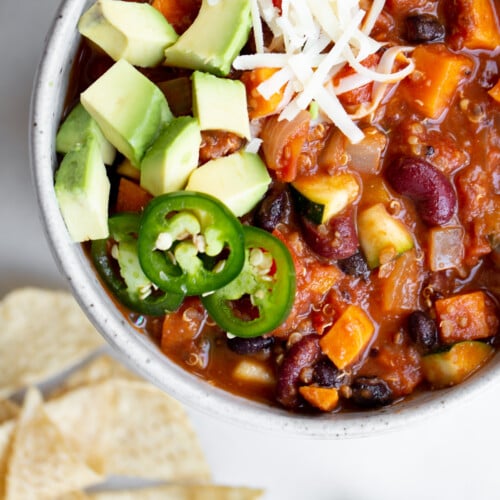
(215, 38)
(172, 157)
(75, 129)
(238, 180)
(220, 104)
(82, 190)
(381, 236)
(132, 31)
(129, 108)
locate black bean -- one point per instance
(355, 265)
(326, 374)
(252, 345)
(276, 207)
(423, 28)
(432, 192)
(422, 329)
(370, 392)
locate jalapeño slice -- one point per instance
(117, 262)
(190, 243)
(262, 295)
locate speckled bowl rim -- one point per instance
(46, 107)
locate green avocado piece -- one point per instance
(238, 180)
(172, 157)
(82, 191)
(220, 104)
(215, 38)
(132, 31)
(75, 129)
(129, 108)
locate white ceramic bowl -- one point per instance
(48, 97)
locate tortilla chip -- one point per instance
(41, 463)
(181, 492)
(98, 369)
(131, 428)
(8, 410)
(43, 333)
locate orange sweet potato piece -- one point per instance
(495, 92)
(179, 14)
(474, 25)
(258, 105)
(468, 316)
(430, 89)
(131, 197)
(348, 337)
(323, 398)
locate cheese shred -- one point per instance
(312, 40)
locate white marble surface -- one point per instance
(452, 456)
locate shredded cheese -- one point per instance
(312, 41)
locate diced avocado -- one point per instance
(75, 129)
(320, 197)
(220, 104)
(132, 31)
(215, 38)
(82, 190)
(381, 236)
(238, 180)
(444, 369)
(172, 157)
(130, 109)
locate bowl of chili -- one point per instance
(359, 290)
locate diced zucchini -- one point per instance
(444, 369)
(381, 236)
(320, 197)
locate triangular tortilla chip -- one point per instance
(181, 492)
(98, 369)
(131, 428)
(41, 463)
(43, 333)
(8, 410)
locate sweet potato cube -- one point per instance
(495, 92)
(323, 398)
(258, 105)
(431, 87)
(467, 316)
(444, 369)
(348, 337)
(474, 25)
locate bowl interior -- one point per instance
(47, 102)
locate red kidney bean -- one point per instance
(427, 186)
(302, 354)
(337, 239)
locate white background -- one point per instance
(453, 456)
